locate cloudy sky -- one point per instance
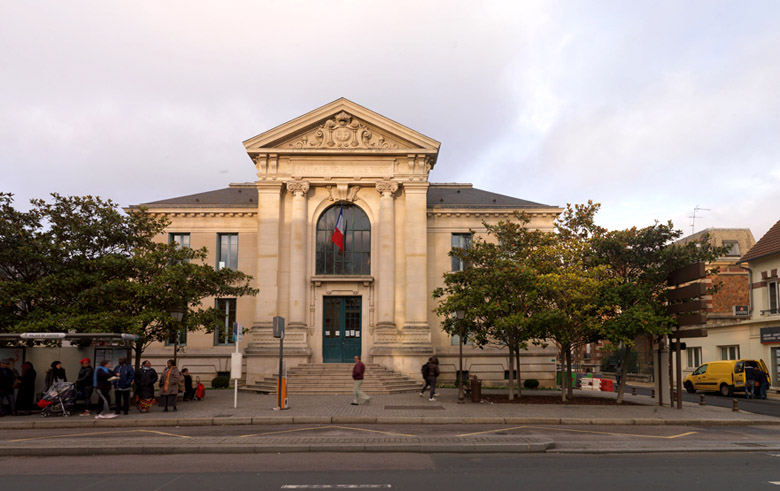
(650, 108)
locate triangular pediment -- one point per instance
(341, 125)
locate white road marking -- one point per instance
(336, 486)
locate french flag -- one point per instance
(338, 234)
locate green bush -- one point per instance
(531, 383)
(220, 382)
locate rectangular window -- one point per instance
(729, 352)
(223, 333)
(182, 333)
(227, 251)
(455, 339)
(182, 240)
(460, 241)
(772, 287)
(733, 246)
(694, 357)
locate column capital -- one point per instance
(298, 188)
(387, 188)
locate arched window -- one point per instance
(356, 257)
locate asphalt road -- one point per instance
(752, 471)
(575, 434)
(767, 407)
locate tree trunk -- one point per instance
(568, 374)
(624, 368)
(511, 379)
(519, 378)
(138, 347)
(563, 373)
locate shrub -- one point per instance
(220, 382)
(531, 383)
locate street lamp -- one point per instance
(460, 315)
(177, 314)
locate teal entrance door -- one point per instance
(341, 330)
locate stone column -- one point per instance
(416, 255)
(298, 189)
(268, 208)
(386, 274)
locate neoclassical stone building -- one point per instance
(374, 297)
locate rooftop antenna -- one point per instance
(693, 217)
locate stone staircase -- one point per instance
(336, 378)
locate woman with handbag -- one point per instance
(169, 385)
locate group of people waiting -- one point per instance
(756, 383)
(18, 390)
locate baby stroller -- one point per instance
(60, 398)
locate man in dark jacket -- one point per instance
(357, 376)
(750, 377)
(433, 372)
(7, 379)
(763, 383)
(84, 384)
(122, 386)
(103, 387)
(424, 373)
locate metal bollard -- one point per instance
(633, 391)
(652, 393)
(735, 405)
(701, 400)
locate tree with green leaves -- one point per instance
(639, 260)
(53, 253)
(496, 291)
(570, 286)
(165, 277)
(80, 264)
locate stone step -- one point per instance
(336, 378)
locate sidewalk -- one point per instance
(257, 409)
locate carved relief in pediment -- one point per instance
(343, 131)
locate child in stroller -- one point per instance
(60, 398)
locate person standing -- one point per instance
(424, 373)
(618, 374)
(26, 396)
(103, 385)
(7, 380)
(125, 375)
(433, 372)
(55, 374)
(189, 390)
(169, 385)
(357, 376)
(763, 383)
(750, 378)
(147, 377)
(84, 384)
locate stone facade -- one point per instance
(344, 157)
(746, 281)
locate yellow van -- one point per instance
(722, 376)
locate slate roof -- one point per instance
(466, 196)
(232, 197)
(768, 244)
(439, 196)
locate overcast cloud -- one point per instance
(650, 108)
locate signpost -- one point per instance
(236, 361)
(690, 309)
(281, 384)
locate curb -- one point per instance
(282, 420)
(410, 447)
(661, 450)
